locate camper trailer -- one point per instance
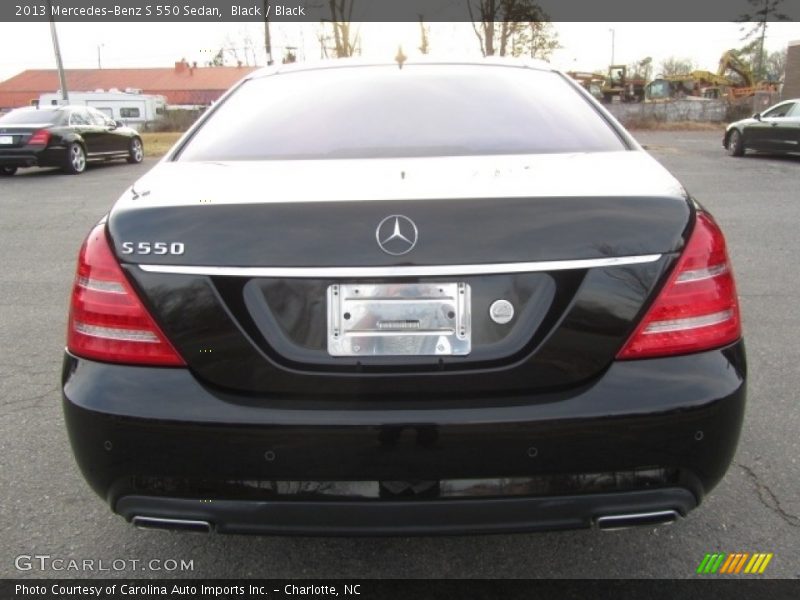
(130, 107)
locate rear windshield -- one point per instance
(386, 112)
(31, 117)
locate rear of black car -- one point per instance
(31, 137)
(248, 352)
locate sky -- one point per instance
(585, 46)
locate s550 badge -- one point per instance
(157, 248)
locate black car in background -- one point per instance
(776, 130)
(398, 312)
(66, 136)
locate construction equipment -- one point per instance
(733, 80)
(591, 82)
(619, 85)
(731, 62)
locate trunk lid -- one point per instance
(247, 301)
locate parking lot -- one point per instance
(47, 508)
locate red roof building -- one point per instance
(182, 84)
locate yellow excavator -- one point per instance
(733, 80)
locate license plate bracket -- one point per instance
(399, 319)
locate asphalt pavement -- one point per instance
(46, 508)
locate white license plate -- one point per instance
(415, 319)
(6, 139)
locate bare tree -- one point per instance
(512, 27)
(218, 60)
(248, 47)
(766, 10)
(346, 40)
(775, 65)
(324, 39)
(536, 39)
(240, 49)
(641, 69)
(676, 66)
(424, 32)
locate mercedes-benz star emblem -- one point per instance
(396, 235)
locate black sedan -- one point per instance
(421, 305)
(64, 136)
(775, 130)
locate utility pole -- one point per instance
(61, 77)
(267, 37)
(267, 42)
(760, 71)
(613, 34)
(99, 63)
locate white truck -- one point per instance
(131, 107)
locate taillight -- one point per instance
(107, 321)
(697, 309)
(40, 138)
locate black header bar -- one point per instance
(665, 11)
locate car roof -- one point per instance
(51, 108)
(339, 63)
(37, 108)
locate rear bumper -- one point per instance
(489, 515)
(51, 157)
(19, 159)
(156, 442)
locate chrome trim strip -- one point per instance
(403, 271)
(143, 522)
(624, 521)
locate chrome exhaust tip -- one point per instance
(612, 522)
(171, 524)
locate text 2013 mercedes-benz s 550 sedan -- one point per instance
(358, 298)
